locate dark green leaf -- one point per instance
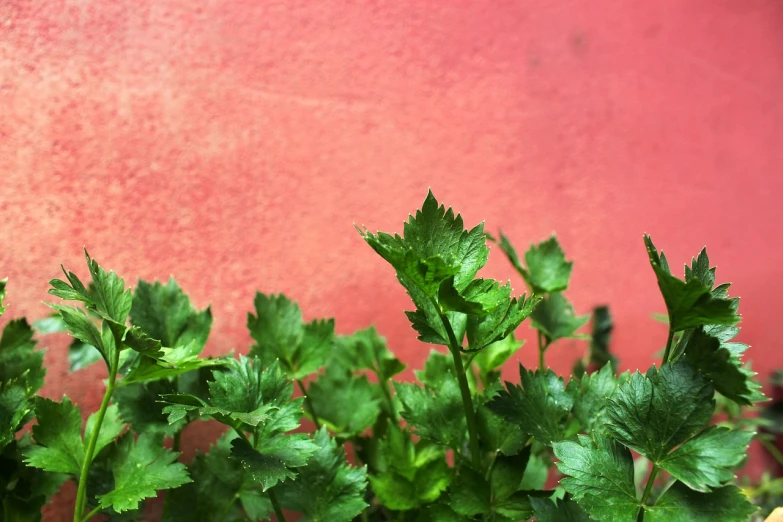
(436, 415)
(547, 269)
(562, 510)
(365, 349)
(555, 318)
(680, 504)
(15, 410)
(709, 459)
(276, 460)
(590, 403)
(599, 476)
(655, 413)
(690, 304)
(139, 406)
(540, 406)
(327, 489)
(81, 355)
(348, 403)
(499, 323)
(18, 358)
(110, 297)
(470, 494)
(140, 469)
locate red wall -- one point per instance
(235, 143)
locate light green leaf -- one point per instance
(547, 269)
(349, 404)
(554, 317)
(58, 437)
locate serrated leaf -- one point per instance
(365, 349)
(599, 476)
(110, 297)
(139, 406)
(139, 341)
(470, 494)
(494, 356)
(141, 468)
(336, 389)
(590, 403)
(15, 410)
(555, 318)
(547, 270)
(58, 437)
(280, 333)
(708, 460)
(480, 297)
(164, 312)
(436, 415)
(18, 358)
(499, 323)
(540, 406)
(690, 303)
(169, 363)
(680, 504)
(83, 328)
(655, 413)
(561, 510)
(276, 460)
(327, 489)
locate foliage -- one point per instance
(457, 444)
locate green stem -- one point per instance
(649, 486)
(276, 506)
(772, 449)
(666, 352)
(384, 384)
(467, 401)
(469, 360)
(491, 466)
(175, 445)
(228, 507)
(542, 346)
(309, 404)
(91, 514)
(81, 492)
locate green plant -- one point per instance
(456, 446)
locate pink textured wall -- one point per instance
(234, 144)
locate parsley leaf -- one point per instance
(141, 468)
(327, 489)
(18, 357)
(708, 460)
(547, 269)
(653, 414)
(436, 414)
(594, 390)
(365, 349)
(489, 360)
(680, 504)
(554, 317)
(690, 303)
(58, 435)
(540, 406)
(335, 389)
(599, 476)
(277, 328)
(562, 510)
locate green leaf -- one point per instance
(139, 341)
(139, 406)
(590, 403)
(680, 504)
(409, 475)
(58, 435)
(434, 246)
(496, 433)
(480, 297)
(110, 297)
(507, 473)
(83, 328)
(690, 303)
(655, 413)
(15, 410)
(81, 355)
(436, 414)
(492, 358)
(365, 349)
(276, 458)
(562, 510)
(708, 460)
(280, 333)
(3, 283)
(540, 406)
(164, 312)
(499, 323)
(722, 368)
(327, 489)
(547, 269)
(599, 476)
(18, 357)
(600, 337)
(555, 318)
(470, 494)
(349, 404)
(141, 468)
(170, 363)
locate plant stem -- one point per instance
(649, 486)
(309, 404)
(470, 360)
(542, 346)
(228, 507)
(666, 352)
(81, 492)
(276, 506)
(177, 441)
(91, 514)
(467, 401)
(384, 384)
(772, 449)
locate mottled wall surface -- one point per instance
(235, 143)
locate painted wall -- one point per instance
(235, 143)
